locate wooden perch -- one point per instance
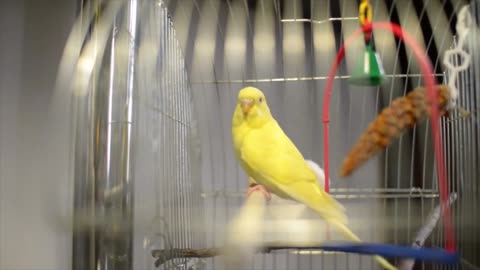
(165, 255)
(245, 231)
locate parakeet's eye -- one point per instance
(260, 99)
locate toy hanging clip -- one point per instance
(368, 70)
(457, 59)
(365, 18)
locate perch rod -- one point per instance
(244, 233)
(164, 255)
(426, 254)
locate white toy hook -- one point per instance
(453, 65)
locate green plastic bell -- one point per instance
(368, 69)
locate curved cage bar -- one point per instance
(136, 151)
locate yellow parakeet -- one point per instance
(274, 163)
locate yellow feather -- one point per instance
(270, 158)
(274, 161)
(267, 155)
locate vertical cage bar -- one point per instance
(114, 181)
(103, 190)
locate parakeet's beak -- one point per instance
(246, 104)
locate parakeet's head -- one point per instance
(252, 106)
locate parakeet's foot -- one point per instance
(262, 189)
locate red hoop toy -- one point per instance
(430, 82)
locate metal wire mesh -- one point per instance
(285, 48)
(167, 149)
(461, 144)
(136, 155)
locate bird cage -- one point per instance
(135, 157)
(155, 87)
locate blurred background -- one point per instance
(34, 189)
(115, 127)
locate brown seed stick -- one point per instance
(402, 114)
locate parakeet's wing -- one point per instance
(268, 150)
(279, 165)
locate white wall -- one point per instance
(35, 197)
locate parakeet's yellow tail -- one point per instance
(350, 235)
(329, 209)
(321, 202)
